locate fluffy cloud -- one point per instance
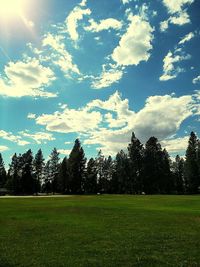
(107, 77)
(61, 56)
(70, 120)
(74, 17)
(179, 15)
(176, 6)
(111, 126)
(13, 138)
(135, 44)
(26, 79)
(170, 68)
(175, 145)
(104, 24)
(3, 148)
(187, 38)
(38, 137)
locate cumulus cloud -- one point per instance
(135, 44)
(61, 56)
(70, 120)
(175, 145)
(38, 137)
(27, 78)
(109, 75)
(104, 24)
(178, 12)
(74, 17)
(13, 138)
(170, 68)
(109, 123)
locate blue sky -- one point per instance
(98, 70)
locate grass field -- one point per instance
(100, 231)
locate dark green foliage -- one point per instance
(38, 167)
(2, 173)
(178, 173)
(77, 162)
(143, 170)
(192, 174)
(63, 177)
(135, 154)
(47, 185)
(121, 175)
(90, 183)
(156, 169)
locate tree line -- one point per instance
(142, 170)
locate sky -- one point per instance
(98, 70)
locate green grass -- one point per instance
(100, 231)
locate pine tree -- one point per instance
(63, 177)
(38, 166)
(2, 173)
(191, 165)
(77, 163)
(46, 183)
(100, 171)
(90, 183)
(135, 153)
(120, 178)
(54, 169)
(152, 166)
(178, 171)
(28, 183)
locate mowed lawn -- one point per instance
(104, 230)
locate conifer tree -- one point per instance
(63, 177)
(54, 169)
(2, 173)
(38, 166)
(120, 178)
(135, 153)
(77, 163)
(90, 183)
(191, 165)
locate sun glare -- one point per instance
(11, 8)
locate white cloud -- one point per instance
(196, 80)
(13, 138)
(38, 137)
(187, 38)
(3, 148)
(109, 75)
(178, 12)
(72, 20)
(135, 44)
(175, 145)
(26, 79)
(176, 6)
(104, 24)
(62, 57)
(170, 68)
(70, 120)
(111, 126)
